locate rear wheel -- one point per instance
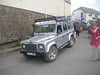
(51, 55)
(71, 42)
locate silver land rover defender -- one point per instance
(50, 35)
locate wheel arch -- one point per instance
(51, 44)
(71, 35)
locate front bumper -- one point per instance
(23, 51)
(32, 48)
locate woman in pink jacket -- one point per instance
(95, 40)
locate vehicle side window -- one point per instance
(59, 29)
(69, 26)
(64, 27)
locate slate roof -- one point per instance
(89, 10)
(68, 1)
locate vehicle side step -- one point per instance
(63, 46)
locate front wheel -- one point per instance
(51, 55)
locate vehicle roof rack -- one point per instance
(45, 19)
(58, 18)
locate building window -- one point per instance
(93, 18)
(90, 14)
(96, 15)
(81, 14)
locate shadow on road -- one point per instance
(38, 60)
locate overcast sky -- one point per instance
(86, 3)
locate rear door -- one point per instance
(65, 32)
(60, 36)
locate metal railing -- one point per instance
(10, 42)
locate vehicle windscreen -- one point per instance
(45, 28)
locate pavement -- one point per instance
(7, 51)
(71, 61)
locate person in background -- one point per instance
(89, 33)
(77, 29)
(85, 27)
(95, 40)
(88, 29)
(74, 26)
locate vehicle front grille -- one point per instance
(32, 47)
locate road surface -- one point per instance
(71, 61)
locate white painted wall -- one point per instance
(88, 18)
(77, 15)
(98, 16)
(53, 7)
(67, 9)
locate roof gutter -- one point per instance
(67, 2)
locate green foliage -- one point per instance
(80, 31)
(18, 43)
(23, 39)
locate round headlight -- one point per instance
(23, 46)
(41, 47)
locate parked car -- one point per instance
(50, 35)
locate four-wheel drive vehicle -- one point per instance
(50, 35)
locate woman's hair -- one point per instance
(94, 23)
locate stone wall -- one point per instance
(14, 22)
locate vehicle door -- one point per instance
(60, 36)
(65, 32)
(70, 26)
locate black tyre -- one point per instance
(51, 55)
(27, 56)
(71, 42)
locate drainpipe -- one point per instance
(64, 7)
(45, 9)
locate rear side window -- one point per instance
(64, 27)
(59, 28)
(70, 24)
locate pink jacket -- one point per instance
(93, 41)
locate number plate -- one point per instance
(33, 54)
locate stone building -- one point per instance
(17, 15)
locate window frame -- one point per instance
(96, 15)
(90, 14)
(65, 26)
(82, 15)
(61, 28)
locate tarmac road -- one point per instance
(71, 61)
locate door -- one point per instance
(65, 32)
(60, 36)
